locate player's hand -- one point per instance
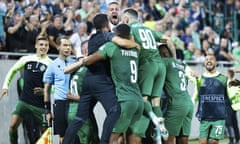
(3, 92)
(38, 91)
(138, 47)
(73, 97)
(49, 118)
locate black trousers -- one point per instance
(99, 88)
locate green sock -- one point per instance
(13, 135)
(157, 111)
(147, 107)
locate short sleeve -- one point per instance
(48, 76)
(107, 50)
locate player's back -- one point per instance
(147, 40)
(124, 71)
(175, 86)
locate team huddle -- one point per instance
(127, 72)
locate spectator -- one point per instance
(187, 36)
(195, 34)
(236, 54)
(113, 12)
(189, 52)
(14, 34)
(32, 28)
(198, 56)
(45, 7)
(3, 9)
(57, 7)
(28, 11)
(206, 47)
(195, 11)
(149, 7)
(183, 21)
(84, 9)
(223, 53)
(57, 29)
(78, 37)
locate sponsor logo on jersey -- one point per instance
(213, 98)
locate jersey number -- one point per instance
(147, 38)
(183, 83)
(133, 67)
(73, 85)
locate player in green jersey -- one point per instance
(88, 133)
(178, 115)
(151, 75)
(124, 73)
(31, 98)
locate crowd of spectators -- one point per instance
(195, 26)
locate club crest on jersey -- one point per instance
(42, 68)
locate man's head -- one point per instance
(100, 21)
(164, 51)
(210, 63)
(64, 46)
(34, 20)
(58, 21)
(122, 30)
(129, 15)
(113, 11)
(42, 45)
(82, 28)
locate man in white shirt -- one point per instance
(78, 37)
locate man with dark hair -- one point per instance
(97, 84)
(124, 72)
(151, 75)
(56, 30)
(179, 111)
(212, 100)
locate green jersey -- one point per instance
(76, 86)
(124, 70)
(147, 39)
(175, 85)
